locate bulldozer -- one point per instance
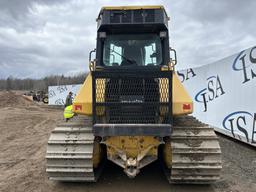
(132, 109)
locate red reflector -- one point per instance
(186, 106)
(78, 107)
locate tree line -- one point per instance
(42, 84)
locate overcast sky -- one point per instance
(45, 37)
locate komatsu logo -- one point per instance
(213, 90)
(240, 122)
(244, 62)
(132, 99)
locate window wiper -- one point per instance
(130, 61)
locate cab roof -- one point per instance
(132, 8)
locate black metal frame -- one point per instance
(107, 129)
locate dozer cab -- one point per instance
(132, 109)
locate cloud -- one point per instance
(206, 31)
(43, 37)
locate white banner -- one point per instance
(57, 94)
(224, 94)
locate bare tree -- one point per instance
(40, 84)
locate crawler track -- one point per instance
(70, 152)
(196, 154)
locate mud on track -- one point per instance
(24, 131)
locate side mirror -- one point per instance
(173, 61)
(92, 63)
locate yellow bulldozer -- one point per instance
(132, 109)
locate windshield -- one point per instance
(125, 50)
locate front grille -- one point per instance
(131, 97)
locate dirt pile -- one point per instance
(11, 99)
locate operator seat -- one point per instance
(133, 54)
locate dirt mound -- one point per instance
(11, 99)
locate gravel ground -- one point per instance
(24, 131)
